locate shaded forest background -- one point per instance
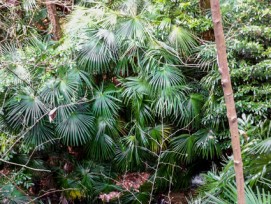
(121, 101)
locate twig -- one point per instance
(22, 165)
(49, 192)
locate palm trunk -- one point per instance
(229, 99)
(52, 15)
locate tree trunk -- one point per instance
(52, 15)
(228, 95)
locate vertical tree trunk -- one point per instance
(228, 95)
(52, 15)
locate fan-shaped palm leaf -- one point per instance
(128, 154)
(165, 24)
(131, 150)
(40, 135)
(105, 102)
(206, 56)
(57, 90)
(135, 87)
(202, 144)
(194, 106)
(171, 102)
(24, 109)
(142, 111)
(77, 128)
(29, 4)
(158, 136)
(102, 146)
(132, 7)
(82, 77)
(207, 146)
(158, 55)
(98, 51)
(263, 146)
(184, 146)
(10, 194)
(133, 28)
(139, 131)
(182, 40)
(164, 77)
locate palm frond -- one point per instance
(142, 111)
(77, 129)
(182, 40)
(132, 7)
(194, 106)
(206, 56)
(82, 19)
(265, 129)
(166, 76)
(171, 102)
(40, 135)
(157, 134)
(106, 102)
(231, 196)
(263, 146)
(24, 110)
(57, 90)
(165, 24)
(133, 28)
(159, 54)
(98, 50)
(207, 144)
(129, 154)
(102, 146)
(184, 146)
(11, 194)
(135, 87)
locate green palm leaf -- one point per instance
(98, 51)
(142, 111)
(40, 135)
(29, 4)
(106, 102)
(128, 153)
(231, 196)
(156, 135)
(182, 40)
(171, 102)
(77, 128)
(102, 146)
(184, 146)
(159, 54)
(133, 28)
(57, 90)
(164, 77)
(135, 87)
(194, 106)
(207, 145)
(262, 147)
(24, 109)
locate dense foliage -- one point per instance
(132, 86)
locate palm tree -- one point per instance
(113, 87)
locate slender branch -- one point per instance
(22, 165)
(50, 192)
